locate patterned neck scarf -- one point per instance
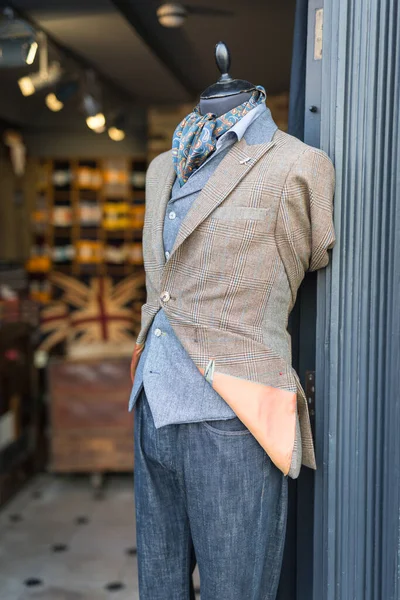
(196, 136)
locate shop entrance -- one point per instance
(75, 146)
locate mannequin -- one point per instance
(227, 93)
(228, 231)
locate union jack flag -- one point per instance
(91, 313)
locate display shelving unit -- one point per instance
(87, 221)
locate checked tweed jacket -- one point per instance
(262, 220)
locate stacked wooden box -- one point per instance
(91, 428)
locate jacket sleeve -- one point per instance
(320, 185)
(305, 225)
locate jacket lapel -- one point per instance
(240, 159)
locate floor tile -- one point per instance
(49, 509)
(96, 551)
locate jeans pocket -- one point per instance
(233, 426)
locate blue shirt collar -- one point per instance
(240, 127)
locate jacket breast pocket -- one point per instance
(238, 213)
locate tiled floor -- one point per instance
(69, 542)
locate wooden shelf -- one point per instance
(118, 234)
(61, 194)
(116, 187)
(63, 267)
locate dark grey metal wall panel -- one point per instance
(357, 501)
(312, 118)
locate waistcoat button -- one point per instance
(165, 296)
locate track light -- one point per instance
(31, 53)
(18, 43)
(64, 91)
(95, 118)
(92, 107)
(116, 134)
(96, 122)
(37, 81)
(53, 103)
(117, 130)
(46, 76)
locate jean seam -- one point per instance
(261, 512)
(180, 477)
(277, 573)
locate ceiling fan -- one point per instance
(174, 14)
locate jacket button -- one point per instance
(165, 296)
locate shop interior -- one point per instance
(91, 92)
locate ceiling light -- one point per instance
(171, 15)
(32, 83)
(53, 103)
(17, 41)
(47, 75)
(31, 53)
(117, 129)
(26, 86)
(92, 105)
(116, 134)
(96, 122)
(63, 92)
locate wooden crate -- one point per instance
(91, 429)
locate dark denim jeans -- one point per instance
(206, 488)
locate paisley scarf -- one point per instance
(196, 136)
